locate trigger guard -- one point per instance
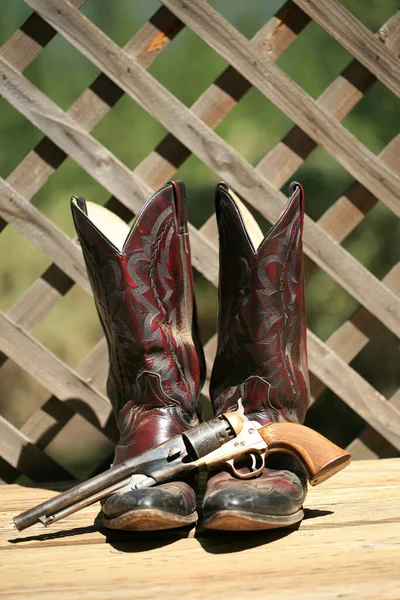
(254, 471)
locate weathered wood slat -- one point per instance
(266, 77)
(350, 209)
(339, 98)
(353, 389)
(46, 422)
(348, 396)
(353, 335)
(280, 89)
(214, 152)
(288, 155)
(356, 38)
(55, 375)
(29, 40)
(211, 108)
(370, 444)
(273, 38)
(90, 154)
(89, 108)
(94, 103)
(32, 306)
(223, 95)
(34, 170)
(46, 236)
(277, 39)
(71, 137)
(22, 454)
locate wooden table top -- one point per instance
(348, 546)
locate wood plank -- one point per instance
(326, 508)
(356, 38)
(52, 373)
(95, 158)
(348, 546)
(361, 565)
(279, 88)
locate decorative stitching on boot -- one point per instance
(285, 319)
(153, 256)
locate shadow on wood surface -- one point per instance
(213, 542)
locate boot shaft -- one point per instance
(261, 355)
(143, 291)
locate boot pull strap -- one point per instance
(81, 203)
(294, 187)
(180, 203)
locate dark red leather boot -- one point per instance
(143, 289)
(261, 361)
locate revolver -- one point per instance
(221, 442)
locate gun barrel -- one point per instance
(167, 460)
(77, 494)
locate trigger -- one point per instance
(253, 462)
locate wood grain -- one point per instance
(348, 546)
(320, 458)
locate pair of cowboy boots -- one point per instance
(142, 283)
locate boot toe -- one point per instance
(162, 507)
(274, 499)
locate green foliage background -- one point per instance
(187, 67)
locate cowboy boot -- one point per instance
(261, 360)
(142, 284)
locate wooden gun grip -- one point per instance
(319, 456)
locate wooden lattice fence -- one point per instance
(316, 123)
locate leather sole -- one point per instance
(237, 520)
(149, 520)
